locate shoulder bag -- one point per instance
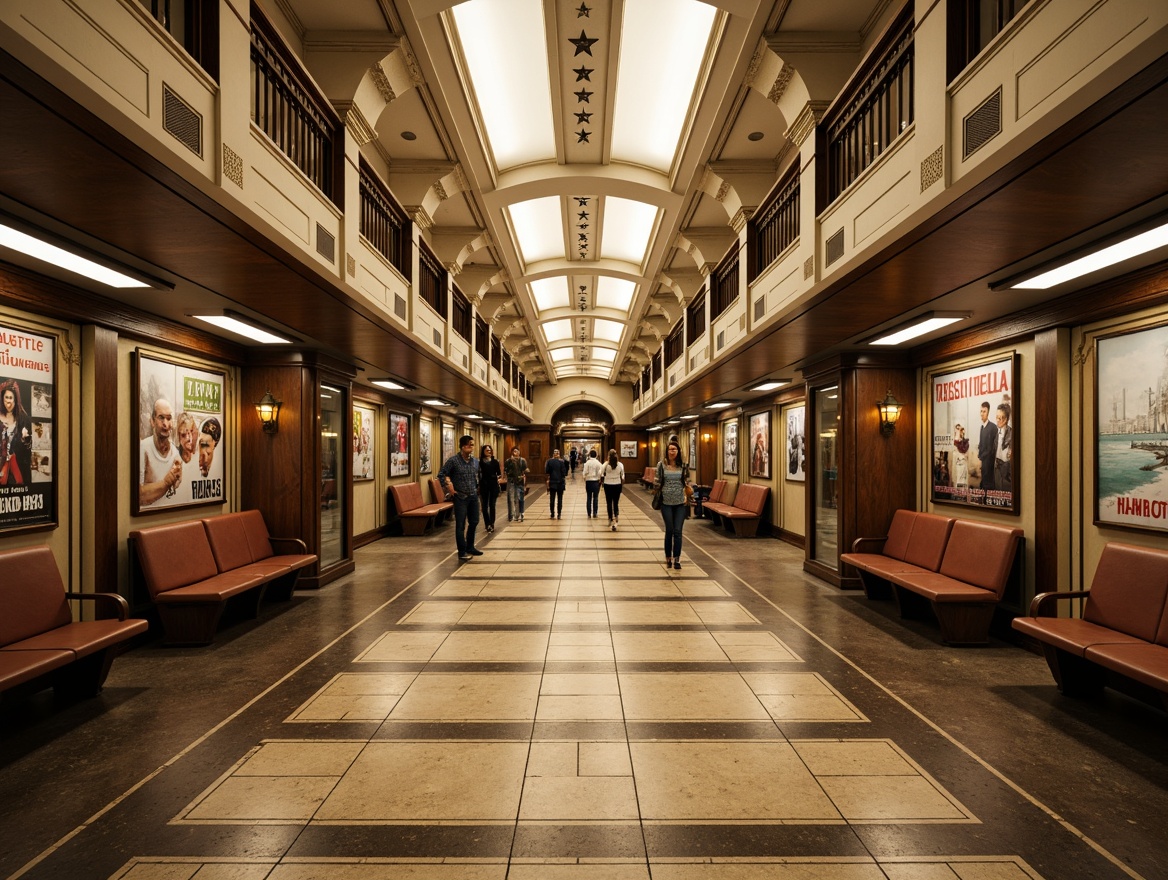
(656, 502)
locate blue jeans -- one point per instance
(591, 497)
(674, 516)
(612, 493)
(514, 499)
(466, 516)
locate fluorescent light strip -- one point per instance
(388, 384)
(63, 259)
(720, 404)
(769, 386)
(1109, 256)
(232, 325)
(435, 402)
(914, 330)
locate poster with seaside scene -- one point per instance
(974, 441)
(1131, 429)
(28, 490)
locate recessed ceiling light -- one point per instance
(719, 404)
(1127, 249)
(433, 401)
(242, 328)
(49, 253)
(770, 386)
(755, 136)
(919, 326)
(408, 136)
(388, 384)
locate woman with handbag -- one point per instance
(671, 492)
(490, 476)
(613, 480)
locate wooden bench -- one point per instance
(743, 516)
(442, 500)
(193, 568)
(958, 567)
(648, 477)
(416, 516)
(41, 644)
(1121, 640)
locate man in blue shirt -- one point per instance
(557, 470)
(460, 477)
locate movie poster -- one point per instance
(28, 489)
(974, 439)
(1131, 429)
(363, 444)
(760, 445)
(424, 446)
(730, 447)
(399, 445)
(796, 443)
(180, 436)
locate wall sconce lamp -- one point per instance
(706, 437)
(268, 409)
(889, 409)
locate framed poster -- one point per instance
(399, 445)
(447, 442)
(179, 436)
(362, 442)
(760, 445)
(796, 417)
(730, 447)
(691, 457)
(28, 419)
(424, 434)
(628, 449)
(974, 436)
(1131, 430)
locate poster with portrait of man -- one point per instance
(974, 438)
(179, 439)
(28, 487)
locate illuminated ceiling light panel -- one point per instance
(515, 98)
(770, 386)
(550, 293)
(555, 331)
(605, 355)
(608, 330)
(614, 293)
(250, 331)
(927, 324)
(559, 355)
(539, 227)
(63, 259)
(1109, 256)
(627, 227)
(663, 45)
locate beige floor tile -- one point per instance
(301, 758)
(528, 570)
(432, 781)
(435, 612)
(889, 799)
(605, 759)
(186, 869)
(264, 799)
(587, 707)
(698, 589)
(599, 639)
(563, 798)
(760, 781)
(468, 587)
(651, 613)
(581, 654)
(569, 611)
(583, 570)
(853, 758)
(508, 612)
(368, 683)
(809, 707)
(795, 869)
(667, 647)
(492, 647)
(639, 555)
(931, 871)
(685, 696)
(577, 683)
(579, 587)
(469, 697)
(324, 870)
(639, 570)
(646, 589)
(503, 589)
(999, 870)
(556, 555)
(755, 647)
(553, 759)
(586, 871)
(477, 568)
(404, 647)
(722, 613)
(348, 707)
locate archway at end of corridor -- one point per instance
(582, 427)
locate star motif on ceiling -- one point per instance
(584, 73)
(583, 95)
(581, 201)
(583, 215)
(583, 43)
(583, 236)
(582, 226)
(582, 136)
(583, 11)
(583, 118)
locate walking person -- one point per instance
(672, 482)
(593, 470)
(557, 472)
(516, 472)
(613, 479)
(490, 476)
(460, 477)
(573, 459)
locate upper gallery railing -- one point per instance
(776, 225)
(384, 224)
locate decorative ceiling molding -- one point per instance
(806, 121)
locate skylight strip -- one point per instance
(627, 227)
(539, 228)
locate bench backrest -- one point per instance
(981, 554)
(717, 490)
(650, 475)
(1128, 591)
(238, 539)
(926, 544)
(751, 497)
(436, 490)
(31, 594)
(899, 532)
(729, 493)
(406, 496)
(174, 555)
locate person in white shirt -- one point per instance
(613, 475)
(593, 470)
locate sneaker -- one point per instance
(613, 526)
(463, 557)
(480, 553)
(521, 519)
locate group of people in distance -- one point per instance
(473, 484)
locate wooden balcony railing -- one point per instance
(724, 284)
(873, 109)
(432, 280)
(776, 225)
(384, 224)
(289, 109)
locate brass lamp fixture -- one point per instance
(268, 409)
(889, 409)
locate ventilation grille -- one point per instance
(692, 361)
(835, 247)
(181, 121)
(326, 244)
(759, 308)
(483, 375)
(464, 364)
(982, 124)
(721, 339)
(399, 306)
(437, 338)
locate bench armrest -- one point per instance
(121, 606)
(297, 541)
(1040, 602)
(860, 542)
